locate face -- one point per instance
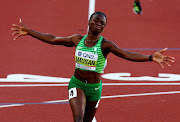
(97, 23)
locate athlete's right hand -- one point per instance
(19, 30)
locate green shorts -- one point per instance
(92, 91)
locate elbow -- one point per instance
(52, 40)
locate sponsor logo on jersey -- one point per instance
(86, 55)
(85, 62)
(79, 53)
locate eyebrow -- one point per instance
(98, 19)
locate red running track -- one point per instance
(157, 27)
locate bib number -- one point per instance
(72, 93)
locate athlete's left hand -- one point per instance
(159, 58)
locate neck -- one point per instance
(92, 36)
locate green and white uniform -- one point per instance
(90, 58)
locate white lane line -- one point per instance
(91, 7)
(33, 78)
(105, 84)
(126, 95)
(31, 81)
(142, 94)
(138, 84)
(56, 101)
(94, 120)
(32, 85)
(105, 97)
(12, 105)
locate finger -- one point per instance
(14, 29)
(167, 63)
(17, 37)
(20, 21)
(171, 60)
(16, 25)
(161, 65)
(15, 33)
(170, 57)
(161, 51)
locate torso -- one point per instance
(89, 76)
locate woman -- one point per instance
(91, 51)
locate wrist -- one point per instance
(28, 31)
(151, 58)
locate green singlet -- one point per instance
(90, 58)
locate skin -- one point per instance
(82, 109)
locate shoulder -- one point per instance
(76, 38)
(106, 45)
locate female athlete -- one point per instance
(92, 49)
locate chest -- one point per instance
(88, 54)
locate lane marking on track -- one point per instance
(129, 95)
(54, 101)
(105, 84)
(32, 85)
(103, 97)
(11, 105)
(127, 77)
(142, 94)
(28, 78)
(91, 7)
(94, 120)
(33, 78)
(140, 84)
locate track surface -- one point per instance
(157, 27)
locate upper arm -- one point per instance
(67, 41)
(117, 51)
(109, 46)
(132, 56)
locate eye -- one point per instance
(95, 20)
(103, 23)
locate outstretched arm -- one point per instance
(23, 30)
(133, 56)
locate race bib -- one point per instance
(86, 60)
(72, 93)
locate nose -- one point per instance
(98, 23)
